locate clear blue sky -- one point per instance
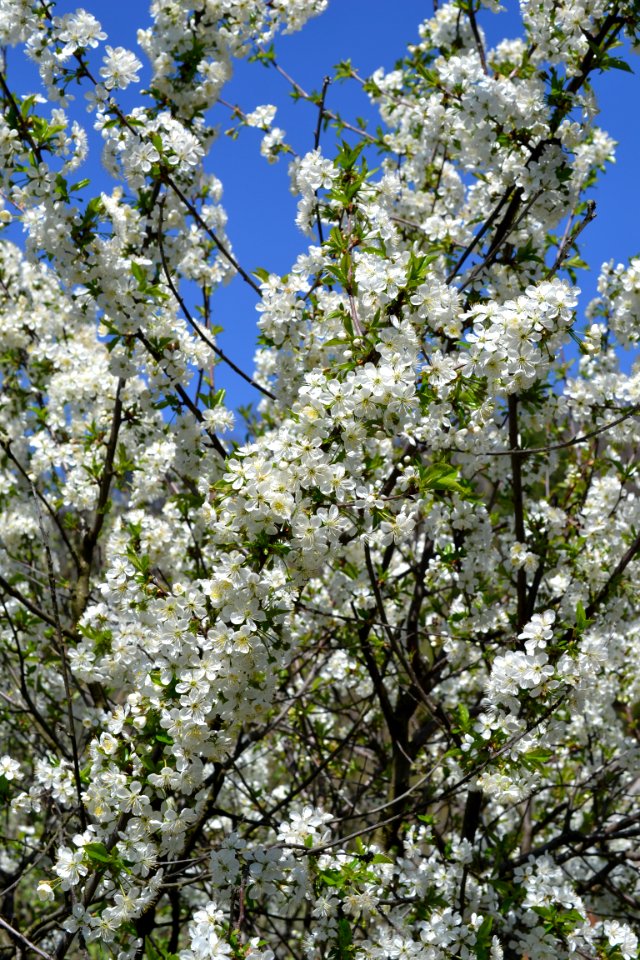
(375, 33)
(261, 210)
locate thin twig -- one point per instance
(302, 93)
(196, 326)
(62, 648)
(224, 250)
(16, 935)
(316, 146)
(476, 36)
(47, 729)
(32, 607)
(570, 237)
(479, 235)
(52, 513)
(184, 397)
(518, 508)
(531, 451)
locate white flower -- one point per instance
(79, 30)
(120, 68)
(219, 419)
(9, 768)
(70, 867)
(272, 143)
(261, 117)
(622, 936)
(303, 826)
(44, 891)
(79, 920)
(538, 630)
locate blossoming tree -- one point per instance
(364, 685)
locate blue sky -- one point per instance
(261, 210)
(375, 33)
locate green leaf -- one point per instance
(343, 950)
(138, 273)
(265, 57)
(344, 70)
(616, 63)
(442, 476)
(483, 939)
(581, 617)
(97, 852)
(464, 717)
(4, 788)
(537, 759)
(582, 620)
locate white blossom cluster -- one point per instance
(354, 675)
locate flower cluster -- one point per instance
(352, 674)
